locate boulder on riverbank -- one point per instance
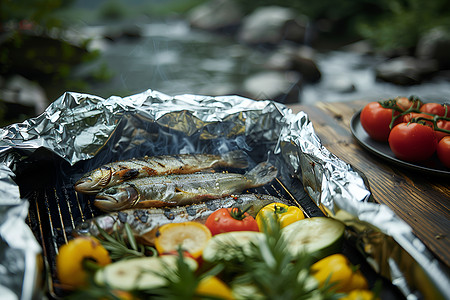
(216, 15)
(272, 25)
(300, 59)
(284, 87)
(406, 70)
(435, 45)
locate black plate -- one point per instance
(434, 166)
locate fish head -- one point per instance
(117, 198)
(94, 181)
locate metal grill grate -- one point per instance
(55, 207)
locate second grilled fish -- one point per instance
(145, 222)
(172, 190)
(118, 172)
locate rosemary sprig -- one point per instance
(182, 281)
(121, 247)
(269, 271)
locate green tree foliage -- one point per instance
(42, 12)
(405, 21)
(389, 24)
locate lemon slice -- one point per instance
(190, 236)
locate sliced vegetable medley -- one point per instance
(302, 258)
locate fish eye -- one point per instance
(111, 190)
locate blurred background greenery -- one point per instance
(35, 44)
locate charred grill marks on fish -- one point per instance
(145, 222)
(117, 172)
(172, 190)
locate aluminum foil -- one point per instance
(77, 127)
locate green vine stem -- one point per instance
(416, 103)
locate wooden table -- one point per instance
(420, 200)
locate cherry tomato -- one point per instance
(435, 109)
(443, 124)
(230, 219)
(403, 103)
(443, 151)
(375, 120)
(413, 142)
(408, 117)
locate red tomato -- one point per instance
(375, 120)
(403, 103)
(408, 117)
(413, 142)
(230, 219)
(443, 151)
(435, 109)
(443, 124)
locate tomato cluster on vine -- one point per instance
(414, 130)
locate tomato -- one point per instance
(230, 219)
(413, 142)
(435, 109)
(443, 124)
(376, 120)
(443, 151)
(403, 103)
(70, 261)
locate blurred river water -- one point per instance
(173, 58)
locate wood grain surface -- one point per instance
(422, 200)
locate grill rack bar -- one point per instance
(55, 212)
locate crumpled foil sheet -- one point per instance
(78, 126)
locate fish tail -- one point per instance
(262, 174)
(236, 159)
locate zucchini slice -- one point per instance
(318, 236)
(139, 273)
(220, 247)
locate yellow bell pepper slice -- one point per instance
(71, 259)
(360, 295)
(212, 286)
(284, 213)
(338, 270)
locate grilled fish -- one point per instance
(173, 190)
(145, 222)
(117, 172)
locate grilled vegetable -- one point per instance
(145, 222)
(360, 295)
(230, 219)
(285, 214)
(172, 190)
(216, 248)
(140, 273)
(190, 236)
(118, 172)
(336, 269)
(72, 259)
(211, 286)
(319, 236)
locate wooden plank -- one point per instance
(420, 200)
